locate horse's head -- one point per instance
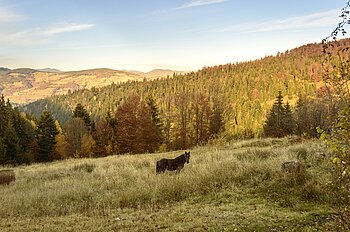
(187, 156)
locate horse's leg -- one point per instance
(178, 169)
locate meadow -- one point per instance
(238, 186)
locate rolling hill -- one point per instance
(245, 92)
(26, 85)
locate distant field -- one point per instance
(234, 187)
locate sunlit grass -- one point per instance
(243, 175)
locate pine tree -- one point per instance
(288, 122)
(45, 134)
(154, 113)
(12, 145)
(274, 124)
(24, 130)
(80, 112)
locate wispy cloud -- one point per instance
(305, 22)
(40, 35)
(7, 15)
(62, 28)
(196, 3)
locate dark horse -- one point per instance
(173, 164)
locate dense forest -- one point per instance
(244, 91)
(274, 96)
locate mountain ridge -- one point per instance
(25, 85)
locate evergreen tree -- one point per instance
(80, 112)
(288, 122)
(154, 113)
(12, 145)
(45, 134)
(24, 130)
(274, 126)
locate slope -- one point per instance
(245, 91)
(236, 187)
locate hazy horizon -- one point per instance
(182, 35)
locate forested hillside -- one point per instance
(25, 85)
(237, 95)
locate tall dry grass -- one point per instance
(99, 186)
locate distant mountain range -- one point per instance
(25, 85)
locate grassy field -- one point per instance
(234, 187)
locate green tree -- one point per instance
(24, 130)
(12, 145)
(80, 112)
(288, 121)
(274, 126)
(46, 134)
(156, 121)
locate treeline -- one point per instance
(135, 127)
(138, 127)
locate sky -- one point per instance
(157, 34)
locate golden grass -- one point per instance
(238, 185)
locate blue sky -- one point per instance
(148, 34)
